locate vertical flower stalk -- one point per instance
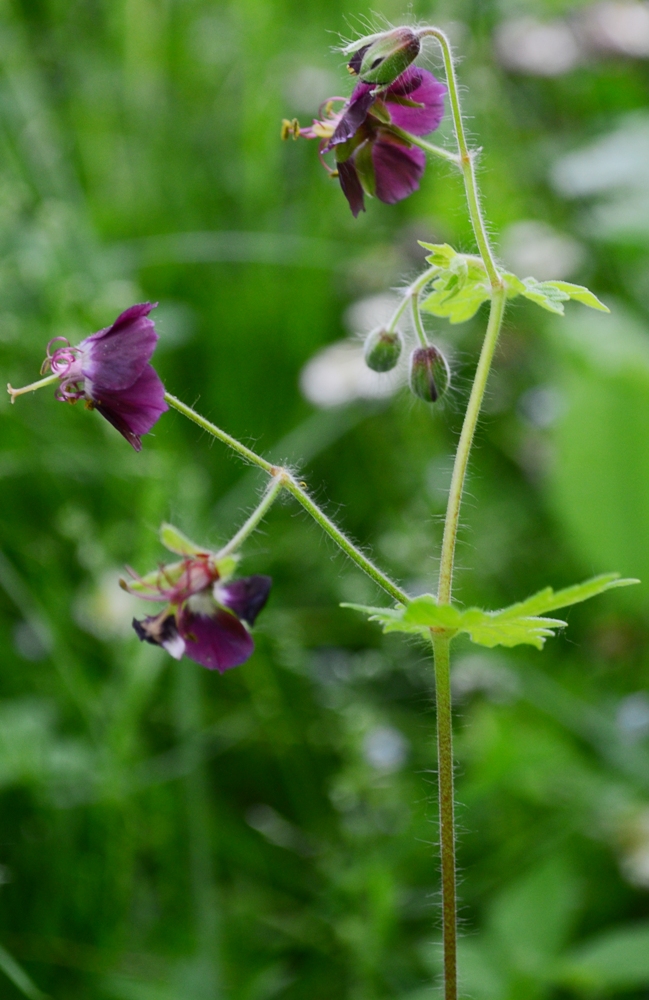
(441, 642)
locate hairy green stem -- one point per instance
(413, 289)
(466, 156)
(273, 490)
(428, 147)
(300, 494)
(451, 522)
(206, 425)
(446, 793)
(416, 318)
(287, 481)
(441, 642)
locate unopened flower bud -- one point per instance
(387, 57)
(429, 373)
(382, 349)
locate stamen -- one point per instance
(31, 388)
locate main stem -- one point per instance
(441, 642)
(451, 522)
(441, 649)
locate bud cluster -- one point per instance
(429, 372)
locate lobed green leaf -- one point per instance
(461, 285)
(523, 623)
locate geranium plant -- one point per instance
(374, 144)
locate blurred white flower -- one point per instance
(537, 48)
(374, 310)
(106, 611)
(617, 26)
(541, 405)
(635, 850)
(616, 160)
(632, 717)
(339, 375)
(532, 247)
(308, 87)
(385, 748)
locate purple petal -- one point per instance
(116, 357)
(351, 186)
(161, 630)
(217, 642)
(354, 63)
(245, 596)
(420, 86)
(398, 170)
(354, 114)
(133, 411)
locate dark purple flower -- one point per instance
(369, 136)
(206, 617)
(110, 370)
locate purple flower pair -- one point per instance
(207, 615)
(370, 136)
(110, 370)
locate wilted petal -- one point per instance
(398, 170)
(351, 185)
(421, 87)
(354, 114)
(161, 630)
(217, 641)
(116, 357)
(133, 411)
(245, 596)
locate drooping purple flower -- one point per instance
(206, 617)
(110, 370)
(369, 136)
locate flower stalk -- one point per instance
(441, 642)
(286, 480)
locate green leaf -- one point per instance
(175, 541)
(551, 295)
(545, 294)
(580, 294)
(461, 285)
(519, 624)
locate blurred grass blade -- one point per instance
(19, 977)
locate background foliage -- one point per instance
(166, 833)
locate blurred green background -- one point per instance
(169, 834)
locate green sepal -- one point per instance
(523, 623)
(226, 567)
(175, 541)
(161, 578)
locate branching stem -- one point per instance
(287, 481)
(273, 490)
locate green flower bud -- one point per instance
(386, 58)
(382, 349)
(429, 373)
